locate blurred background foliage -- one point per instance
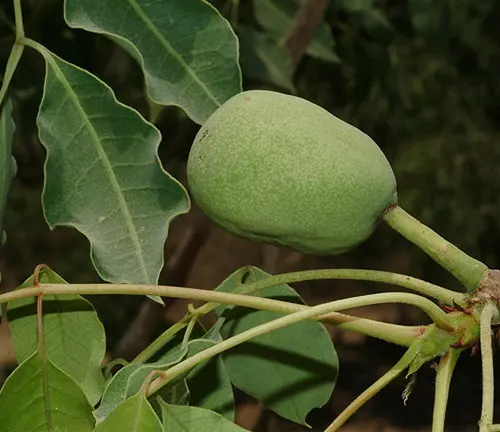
(419, 76)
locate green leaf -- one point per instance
(74, 335)
(291, 370)
(194, 419)
(276, 16)
(38, 397)
(263, 59)
(188, 51)
(7, 163)
(103, 176)
(133, 415)
(128, 382)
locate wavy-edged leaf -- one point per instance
(103, 175)
(292, 370)
(128, 382)
(263, 59)
(74, 335)
(194, 419)
(133, 415)
(188, 51)
(276, 16)
(39, 397)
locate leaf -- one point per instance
(103, 175)
(263, 59)
(194, 419)
(133, 415)
(128, 381)
(38, 397)
(187, 50)
(276, 16)
(292, 370)
(74, 336)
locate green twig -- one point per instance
(437, 315)
(371, 391)
(293, 318)
(18, 16)
(443, 380)
(161, 341)
(466, 269)
(401, 335)
(378, 330)
(437, 292)
(486, 420)
(12, 62)
(15, 53)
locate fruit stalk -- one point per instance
(466, 269)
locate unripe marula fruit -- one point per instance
(279, 169)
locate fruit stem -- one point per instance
(443, 380)
(466, 269)
(371, 391)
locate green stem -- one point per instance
(466, 269)
(495, 428)
(161, 341)
(15, 53)
(435, 313)
(18, 15)
(486, 420)
(392, 333)
(399, 336)
(14, 57)
(371, 391)
(443, 380)
(448, 297)
(285, 321)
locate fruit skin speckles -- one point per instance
(280, 169)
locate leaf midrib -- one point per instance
(107, 165)
(153, 29)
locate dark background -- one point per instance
(419, 76)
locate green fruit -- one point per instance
(280, 169)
